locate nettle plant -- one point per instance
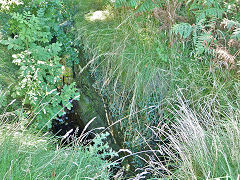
(41, 62)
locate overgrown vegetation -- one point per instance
(144, 63)
(43, 54)
(167, 72)
(25, 155)
(41, 62)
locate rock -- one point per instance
(97, 15)
(90, 104)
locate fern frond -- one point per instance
(140, 5)
(147, 5)
(236, 34)
(202, 43)
(223, 54)
(182, 29)
(120, 3)
(232, 25)
(229, 24)
(127, 3)
(209, 13)
(198, 29)
(134, 3)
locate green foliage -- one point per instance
(206, 8)
(205, 32)
(7, 68)
(24, 155)
(138, 75)
(2, 98)
(40, 61)
(101, 146)
(234, 26)
(139, 5)
(184, 30)
(212, 151)
(202, 37)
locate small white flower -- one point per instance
(27, 52)
(41, 62)
(17, 61)
(14, 56)
(18, 2)
(24, 80)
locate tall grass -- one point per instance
(126, 58)
(27, 154)
(7, 68)
(135, 70)
(127, 49)
(202, 144)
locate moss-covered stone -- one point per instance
(91, 105)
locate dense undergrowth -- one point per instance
(141, 72)
(169, 74)
(36, 85)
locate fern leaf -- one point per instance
(229, 24)
(147, 5)
(120, 3)
(182, 29)
(209, 13)
(236, 34)
(202, 44)
(140, 5)
(134, 3)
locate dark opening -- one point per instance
(69, 127)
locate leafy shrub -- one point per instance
(41, 61)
